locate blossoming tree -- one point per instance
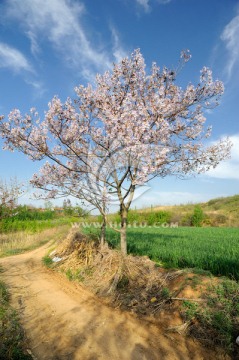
(128, 129)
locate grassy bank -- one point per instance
(217, 212)
(221, 212)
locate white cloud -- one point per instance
(163, 2)
(38, 86)
(228, 169)
(144, 4)
(230, 37)
(60, 22)
(13, 59)
(35, 49)
(118, 51)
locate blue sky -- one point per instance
(49, 47)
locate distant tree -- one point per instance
(128, 129)
(79, 211)
(9, 193)
(67, 206)
(198, 216)
(48, 205)
(76, 210)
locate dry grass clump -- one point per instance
(76, 250)
(130, 282)
(134, 283)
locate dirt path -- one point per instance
(64, 321)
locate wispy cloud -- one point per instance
(230, 37)
(35, 49)
(163, 2)
(13, 59)
(118, 50)
(38, 86)
(228, 169)
(146, 4)
(60, 22)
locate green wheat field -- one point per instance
(212, 249)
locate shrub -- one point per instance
(24, 213)
(186, 220)
(133, 216)
(163, 217)
(197, 217)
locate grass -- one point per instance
(19, 242)
(217, 321)
(211, 249)
(11, 333)
(32, 226)
(47, 261)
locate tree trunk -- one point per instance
(103, 232)
(123, 241)
(103, 226)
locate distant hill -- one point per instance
(222, 211)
